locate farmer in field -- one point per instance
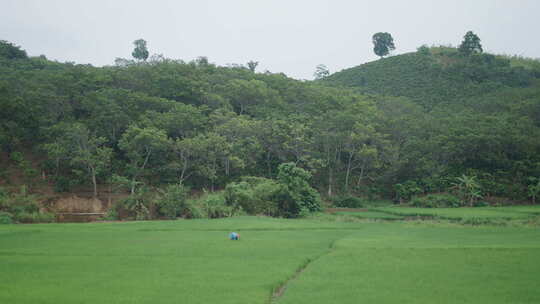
(234, 236)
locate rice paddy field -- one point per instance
(369, 259)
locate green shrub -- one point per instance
(172, 201)
(4, 194)
(437, 201)
(209, 205)
(481, 204)
(62, 184)
(215, 206)
(35, 217)
(288, 197)
(18, 202)
(5, 218)
(347, 201)
(254, 195)
(468, 188)
(192, 210)
(135, 207)
(111, 215)
(407, 190)
(295, 193)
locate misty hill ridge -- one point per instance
(439, 74)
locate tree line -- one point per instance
(156, 121)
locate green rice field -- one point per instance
(509, 213)
(276, 261)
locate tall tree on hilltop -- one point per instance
(140, 52)
(470, 44)
(11, 51)
(252, 65)
(383, 43)
(321, 71)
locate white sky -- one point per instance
(284, 36)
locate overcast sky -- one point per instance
(290, 36)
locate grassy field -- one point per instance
(375, 215)
(508, 213)
(307, 261)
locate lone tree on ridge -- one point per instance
(471, 44)
(383, 43)
(140, 52)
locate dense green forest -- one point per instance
(432, 121)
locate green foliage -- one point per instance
(111, 215)
(423, 50)
(139, 205)
(407, 190)
(481, 204)
(140, 144)
(28, 171)
(34, 217)
(441, 76)
(296, 193)
(468, 189)
(20, 202)
(82, 150)
(321, 71)
(22, 207)
(63, 184)
(534, 188)
(193, 210)
(11, 51)
(347, 201)
(383, 43)
(172, 201)
(254, 195)
(5, 218)
(252, 65)
(140, 52)
(437, 201)
(426, 117)
(470, 44)
(215, 206)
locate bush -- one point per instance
(254, 195)
(481, 204)
(215, 206)
(295, 193)
(407, 190)
(5, 218)
(209, 205)
(192, 210)
(3, 195)
(172, 201)
(468, 188)
(134, 206)
(347, 201)
(62, 184)
(437, 201)
(111, 215)
(35, 217)
(18, 202)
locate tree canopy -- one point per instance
(383, 43)
(470, 44)
(412, 123)
(140, 52)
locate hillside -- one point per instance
(437, 75)
(394, 128)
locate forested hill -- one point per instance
(437, 75)
(150, 123)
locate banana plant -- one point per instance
(468, 188)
